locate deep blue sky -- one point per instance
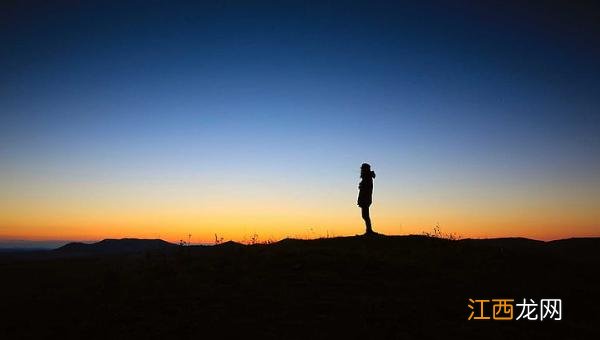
(145, 93)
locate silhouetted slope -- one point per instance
(125, 245)
(383, 287)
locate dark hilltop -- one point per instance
(354, 287)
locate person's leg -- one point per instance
(367, 218)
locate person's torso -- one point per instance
(366, 187)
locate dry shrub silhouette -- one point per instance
(438, 233)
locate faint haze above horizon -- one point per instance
(237, 120)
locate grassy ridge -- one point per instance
(402, 286)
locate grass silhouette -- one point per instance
(356, 287)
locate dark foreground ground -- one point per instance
(384, 287)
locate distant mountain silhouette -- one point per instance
(230, 244)
(360, 286)
(108, 246)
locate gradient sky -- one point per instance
(156, 119)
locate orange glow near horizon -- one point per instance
(282, 201)
(272, 215)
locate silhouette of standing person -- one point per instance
(365, 194)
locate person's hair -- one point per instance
(365, 171)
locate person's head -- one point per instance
(365, 171)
